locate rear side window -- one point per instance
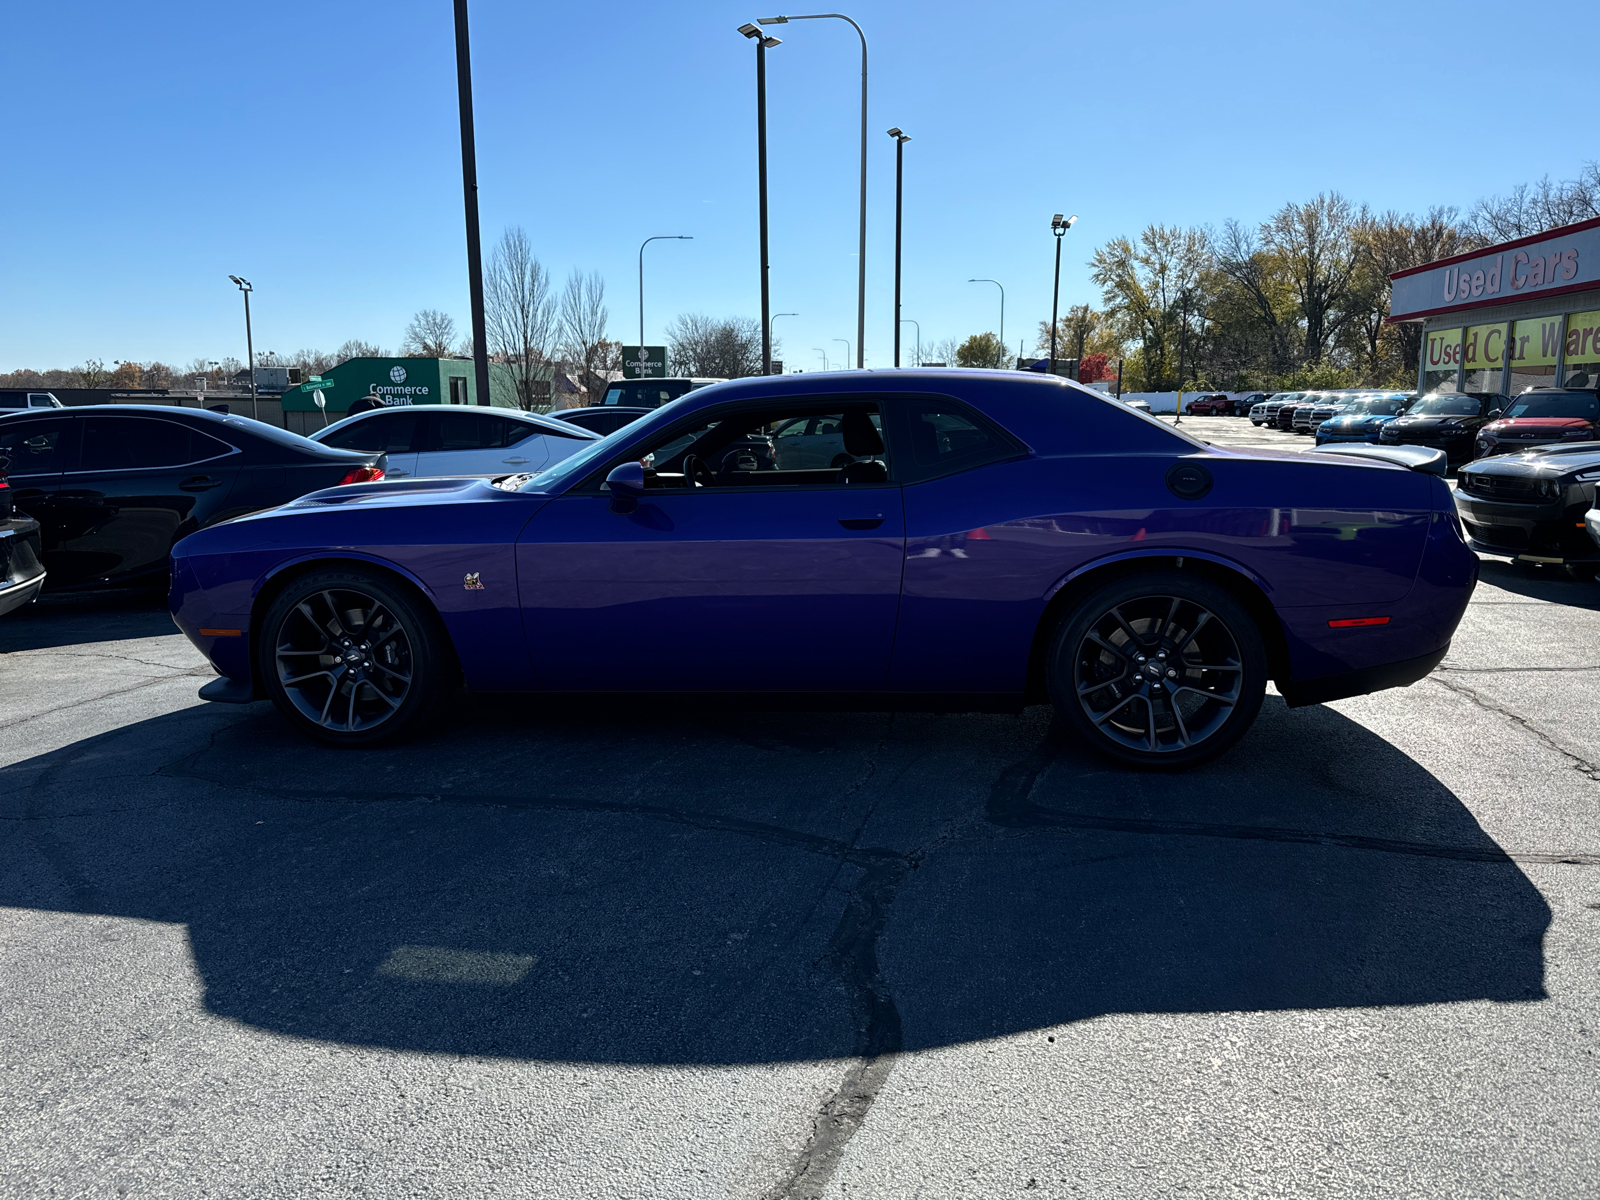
(944, 437)
(478, 431)
(389, 433)
(135, 443)
(33, 447)
(644, 393)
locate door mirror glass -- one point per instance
(626, 483)
(1496, 412)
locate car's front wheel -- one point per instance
(352, 659)
(1158, 669)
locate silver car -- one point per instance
(433, 439)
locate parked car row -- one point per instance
(97, 496)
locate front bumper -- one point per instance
(1554, 534)
(1457, 449)
(1324, 439)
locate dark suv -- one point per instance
(626, 400)
(1542, 417)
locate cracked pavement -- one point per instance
(557, 950)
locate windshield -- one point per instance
(1376, 407)
(1555, 404)
(645, 393)
(1445, 406)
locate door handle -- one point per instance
(861, 522)
(513, 460)
(199, 483)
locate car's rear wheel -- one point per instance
(1158, 669)
(352, 659)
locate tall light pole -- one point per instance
(469, 192)
(1059, 227)
(249, 343)
(763, 44)
(846, 342)
(861, 248)
(1002, 288)
(773, 320)
(900, 140)
(660, 237)
(913, 321)
(824, 354)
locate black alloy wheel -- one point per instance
(1159, 669)
(352, 659)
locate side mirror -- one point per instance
(627, 487)
(1496, 412)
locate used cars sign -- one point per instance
(1548, 264)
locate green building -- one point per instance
(401, 381)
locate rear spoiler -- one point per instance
(1416, 458)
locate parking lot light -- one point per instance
(1059, 227)
(763, 44)
(1001, 286)
(861, 248)
(249, 344)
(900, 140)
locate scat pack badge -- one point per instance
(472, 583)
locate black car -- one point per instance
(114, 486)
(1447, 421)
(603, 420)
(1530, 506)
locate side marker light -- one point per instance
(1352, 622)
(222, 633)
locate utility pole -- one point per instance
(469, 192)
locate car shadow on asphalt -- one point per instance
(1539, 583)
(73, 618)
(667, 883)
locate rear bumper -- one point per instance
(1359, 683)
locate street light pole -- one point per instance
(913, 321)
(824, 354)
(469, 191)
(660, 237)
(1059, 227)
(763, 44)
(846, 342)
(900, 140)
(249, 343)
(773, 320)
(861, 248)
(1001, 286)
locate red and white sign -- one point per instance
(1548, 264)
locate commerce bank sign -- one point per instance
(1548, 264)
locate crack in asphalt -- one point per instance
(1575, 761)
(150, 681)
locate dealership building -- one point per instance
(1522, 314)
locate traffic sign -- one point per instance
(317, 385)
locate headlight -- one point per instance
(1548, 487)
(1577, 435)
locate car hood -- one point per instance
(1421, 423)
(1544, 463)
(1539, 424)
(399, 493)
(1361, 418)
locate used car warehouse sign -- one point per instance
(1567, 260)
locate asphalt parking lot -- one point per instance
(561, 951)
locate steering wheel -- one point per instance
(696, 473)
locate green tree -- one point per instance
(1146, 286)
(983, 350)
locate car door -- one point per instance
(695, 588)
(481, 443)
(38, 451)
(397, 432)
(138, 485)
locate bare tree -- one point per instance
(93, 374)
(311, 362)
(521, 311)
(727, 349)
(583, 329)
(1391, 242)
(356, 348)
(1529, 209)
(429, 335)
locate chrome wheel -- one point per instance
(1158, 674)
(343, 659)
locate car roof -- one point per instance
(564, 428)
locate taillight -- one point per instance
(363, 475)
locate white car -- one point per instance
(433, 440)
(813, 443)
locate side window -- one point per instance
(479, 431)
(138, 443)
(391, 432)
(772, 448)
(34, 447)
(944, 438)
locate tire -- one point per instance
(1119, 702)
(312, 666)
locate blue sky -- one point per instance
(154, 149)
